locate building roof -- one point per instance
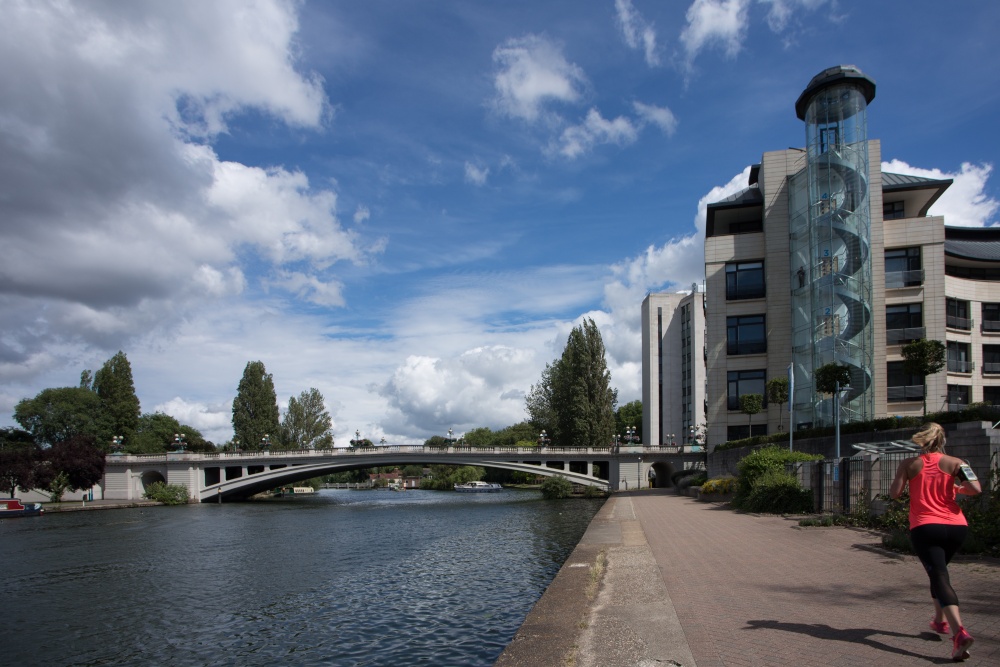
(830, 77)
(920, 191)
(747, 197)
(892, 182)
(980, 244)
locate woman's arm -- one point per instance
(899, 483)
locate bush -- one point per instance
(556, 487)
(592, 492)
(753, 467)
(719, 485)
(168, 494)
(777, 492)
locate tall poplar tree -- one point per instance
(119, 403)
(255, 408)
(307, 424)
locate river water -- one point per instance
(339, 578)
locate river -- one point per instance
(337, 578)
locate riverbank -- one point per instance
(90, 505)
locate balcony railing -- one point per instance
(753, 347)
(898, 279)
(961, 323)
(960, 366)
(991, 368)
(990, 327)
(913, 392)
(899, 336)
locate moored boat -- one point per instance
(478, 487)
(14, 507)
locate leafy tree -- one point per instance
(751, 404)
(479, 437)
(828, 375)
(155, 434)
(75, 463)
(87, 380)
(168, 494)
(58, 414)
(777, 392)
(19, 456)
(436, 441)
(119, 403)
(557, 487)
(512, 435)
(628, 415)
(255, 408)
(307, 424)
(924, 357)
(574, 402)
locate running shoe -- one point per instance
(940, 628)
(962, 641)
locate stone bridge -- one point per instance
(219, 477)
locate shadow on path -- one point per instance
(854, 636)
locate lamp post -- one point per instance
(450, 433)
(382, 441)
(179, 439)
(265, 442)
(116, 444)
(638, 473)
(543, 439)
(357, 439)
(671, 436)
(236, 444)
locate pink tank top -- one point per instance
(932, 495)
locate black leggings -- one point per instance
(935, 544)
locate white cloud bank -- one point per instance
(965, 202)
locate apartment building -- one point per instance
(825, 258)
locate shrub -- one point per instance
(777, 492)
(592, 492)
(168, 494)
(719, 485)
(753, 467)
(556, 487)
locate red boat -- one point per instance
(14, 507)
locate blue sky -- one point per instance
(408, 205)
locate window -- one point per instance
(991, 318)
(958, 397)
(745, 431)
(904, 323)
(957, 314)
(892, 210)
(744, 280)
(902, 386)
(991, 395)
(903, 268)
(744, 382)
(745, 334)
(958, 357)
(991, 359)
(829, 137)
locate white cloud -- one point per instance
(965, 203)
(361, 214)
(780, 13)
(637, 32)
(476, 175)
(531, 72)
(310, 288)
(722, 22)
(209, 420)
(662, 117)
(595, 129)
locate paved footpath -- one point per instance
(699, 585)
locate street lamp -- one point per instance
(116, 444)
(671, 436)
(382, 441)
(179, 439)
(543, 439)
(638, 473)
(265, 442)
(450, 433)
(236, 444)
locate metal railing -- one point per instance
(961, 323)
(914, 392)
(991, 368)
(898, 279)
(960, 366)
(990, 327)
(899, 336)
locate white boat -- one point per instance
(478, 487)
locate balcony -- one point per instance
(900, 279)
(960, 366)
(991, 368)
(905, 394)
(990, 327)
(960, 323)
(900, 336)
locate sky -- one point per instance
(408, 205)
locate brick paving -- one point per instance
(759, 590)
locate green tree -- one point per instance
(479, 437)
(924, 357)
(255, 408)
(58, 414)
(75, 463)
(777, 392)
(307, 424)
(828, 375)
(751, 404)
(119, 404)
(574, 402)
(19, 456)
(557, 487)
(155, 434)
(629, 415)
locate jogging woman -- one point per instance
(937, 525)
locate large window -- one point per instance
(991, 395)
(744, 382)
(892, 210)
(991, 318)
(745, 431)
(903, 268)
(957, 314)
(904, 323)
(991, 359)
(745, 334)
(959, 360)
(902, 386)
(744, 280)
(958, 397)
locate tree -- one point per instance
(255, 408)
(307, 424)
(828, 375)
(751, 404)
(58, 414)
(924, 357)
(155, 434)
(777, 392)
(574, 402)
(628, 415)
(119, 403)
(75, 463)
(557, 487)
(19, 456)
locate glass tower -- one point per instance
(830, 246)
